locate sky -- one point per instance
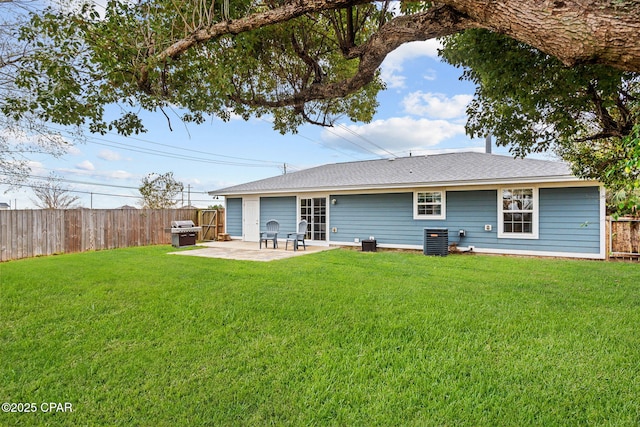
(422, 111)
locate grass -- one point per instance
(138, 337)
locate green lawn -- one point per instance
(138, 337)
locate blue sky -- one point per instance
(422, 111)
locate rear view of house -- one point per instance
(488, 203)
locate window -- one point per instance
(429, 205)
(518, 213)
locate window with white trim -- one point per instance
(429, 205)
(518, 213)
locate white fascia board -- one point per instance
(551, 181)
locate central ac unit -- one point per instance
(436, 241)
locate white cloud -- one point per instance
(87, 170)
(397, 135)
(393, 65)
(73, 150)
(430, 74)
(120, 174)
(86, 165)
(436, 105)
(108, 155)
(37, 168)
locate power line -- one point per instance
(270, 162)
(79, 191)
(120, 145)
(166, 154)
(265, 163)
(242, 160)
(62, 179)
(352, 142)
(351, 131)
(34, 186)
(316, 142)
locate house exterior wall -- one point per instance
(282, 209)
(389, 218)
(234, 216)
(570, 220)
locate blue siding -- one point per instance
(234, 216)
(569, 220)
(389, 217)
(282, 209)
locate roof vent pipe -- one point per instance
(487, 144)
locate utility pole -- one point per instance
(189, 195)
(284, 168)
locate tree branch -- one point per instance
(252, 22)
(307, 59)
(610, 127)
(436, 22)
(575, 31)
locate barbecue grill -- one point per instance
(183, 233)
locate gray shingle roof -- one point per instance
(467, 168)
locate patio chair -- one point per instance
(270, 234)
(298, 236)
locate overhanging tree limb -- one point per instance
(578, 31)
(286, 58)
(435, 22)
(254, 21)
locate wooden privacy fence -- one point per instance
(29, 233)
(624, 238)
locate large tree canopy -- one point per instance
(300, 61)
(566, 70)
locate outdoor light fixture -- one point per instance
(334, 201)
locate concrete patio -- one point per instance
(248, 251)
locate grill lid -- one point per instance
(184, 230)
(182, 224)
(186, 226)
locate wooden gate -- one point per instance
(212, 223)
